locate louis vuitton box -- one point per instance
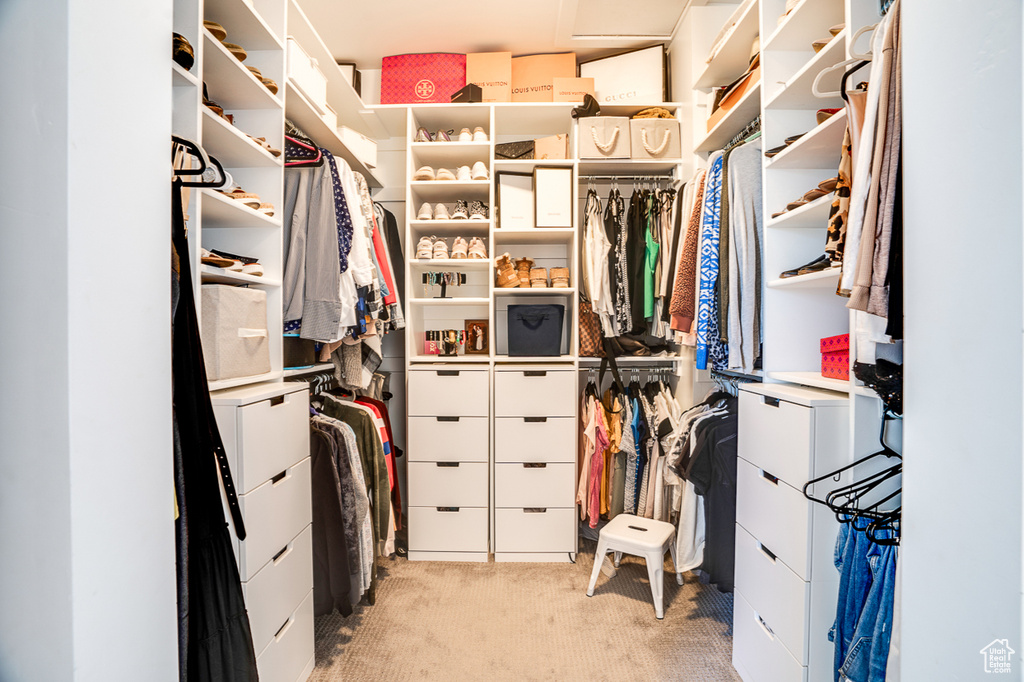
(492, 71)
(533, 75)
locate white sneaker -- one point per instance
(424, 173)
(444, 174)
(252, 269)
(479, 135)
(425, 248)
(441, 212)
(479, 171)
(463, 173)
(465, 135)
(426, 212)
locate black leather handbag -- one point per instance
(515, 151)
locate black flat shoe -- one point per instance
(590, 107)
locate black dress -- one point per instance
(215, 643)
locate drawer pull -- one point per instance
(279, 557)
(760, 621)
(447, 464)
(279, 400)
(774, 480)
(284, 628)
(770, 554)
(447, 372)
(447, 419)
(535, 420)
(447, 509)
(770, 401)
(535, 510)
(535, 465)
(280, 477)
(638, 528)
(535, 373)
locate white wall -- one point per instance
(961, 554)
(86, 488)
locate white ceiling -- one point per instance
(366, 31)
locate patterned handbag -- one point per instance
(591, 340)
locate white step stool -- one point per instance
(640, 537)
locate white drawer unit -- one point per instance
(448, 438)
(448, 529)
(534, 530)
(451, 391)
(534, 392)
(786, 583)
(534, 484)
(265, 428)
(448, 484)
(534, 439)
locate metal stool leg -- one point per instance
(675, 562)
(602, 549)
(656, 573)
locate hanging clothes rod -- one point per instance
(748, 130)
(667, 176)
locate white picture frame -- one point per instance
(552, 192)
(515, 201)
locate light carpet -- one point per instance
(513, 621)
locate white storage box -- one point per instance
(330, 118)
(654, 138)
(604, 137)
(363, 147)
(304, 74)
(234, 331)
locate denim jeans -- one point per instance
(863, 625)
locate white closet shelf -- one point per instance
(811, 379)
(320, 367)
(734, 121)
(540, 359)
(548, 291)
(447, 191)
(473, 228)
(467, 300)
(638, 359)
(527, 165)
(824, 279)
(221, 384)
(229, 81)
(231, 146)
(303, 114)
(627, 166)
(466, 263)
(630, 108)
(516, 120)
(220, 211)
(214, 275)
(819, 148)
(243, 24)
(796, 93)
(535, 235)
(811, 215)
(809, 21)
(341, 95)
(439, 361)
(182, 77)
(734, 55)
(450, 154)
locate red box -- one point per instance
(834, 344)
(836, 365)
(421, 78)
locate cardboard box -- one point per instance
(835, 344)
(533, 75)
(737, 93)
(553, 147)
(421, 78)
(836, 365)
(492, 71)
(633, 76)
(471, 93)
(571, 89)
(363, 147)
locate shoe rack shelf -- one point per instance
(732, 58)
(234, 84)
(812, 215)
(819, 148)
(219, 211)
(796, 92)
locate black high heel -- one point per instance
(590, 107)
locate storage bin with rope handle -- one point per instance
(604, 137)
(654, 138)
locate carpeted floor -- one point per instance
(511, 621)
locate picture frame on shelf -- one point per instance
(552, 193)
(477, 337)
(515, 200)
(632, 76)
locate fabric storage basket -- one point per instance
(654, 138)
(604, 137)
(234, 332)
(535, 330)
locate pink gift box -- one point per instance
(836, 365)
(421, 78)
(834, 344)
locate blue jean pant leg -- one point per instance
(854, 584)
(868, 656)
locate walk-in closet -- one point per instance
(571, 340)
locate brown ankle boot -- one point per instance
(539, 278)
(523, 266)
(560, 277)
(507, 278)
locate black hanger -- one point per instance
(886, 451)
(206, 163)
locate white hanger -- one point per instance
(853, 42)
(856, 58)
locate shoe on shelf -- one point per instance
(462, 174)
(479, 135)
(444, 174)
(183, 54)
(477, 248)
(507, 278)
(460, 212)
(837, 29)
(822, 262)
(422, 135)
(478, 211)
(523, 267)
(443, 136)
(208, 258)
(425, 248)
(823, 115)
(426, 212)
(479, 171)
(241, 196)
(441, 212)
(539, 278)
(237, 51)
(460, 248)
(262, 142)
(266, 209)
(560, 278)
(829, 185)
(774, 151)
(423, 173)
(215, 29)
(819, 45)
(440, 249)
(254, 269)
(269, 84)
(465, 135)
